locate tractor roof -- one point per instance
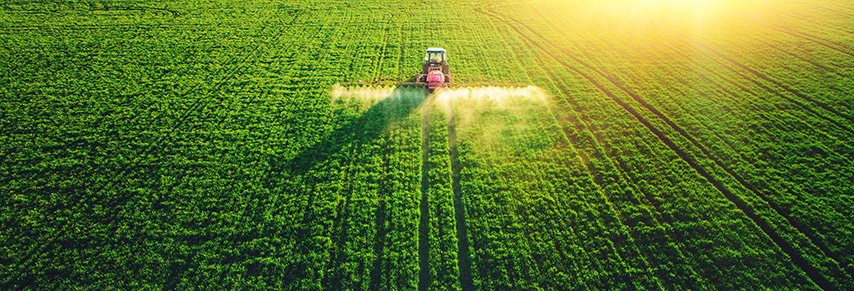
(435, 50)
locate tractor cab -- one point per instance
(436, 57)
(436, 54)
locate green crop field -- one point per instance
(221, 144)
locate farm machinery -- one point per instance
(435, 74)
(435, 71)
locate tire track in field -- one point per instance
(379, 66)
(424, 220)
(759, 108)
(584, 253)
(715, 134)
(805, 36)
(797, 225)
(583, 155)
(800, 227)
(811, 271)
(621, 176)
(339, 228)
(717, 84)
(118, 178)
(479, 8)
(342, 213)
(775, 206)
(664, 49)
(463, 253)
(720, 87)
(816, 5)
(792, 12)
(597, 150)
(562, 251)
(381, 240)
(768, 79)
(624, 177)
(829, 26)
(791, 54)
(688, 13)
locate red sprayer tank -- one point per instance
(435, 78)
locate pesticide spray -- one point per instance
(464, 105)
(499, 122)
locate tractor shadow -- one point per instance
(386, 108)
(324, 169)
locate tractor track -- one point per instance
(340, 224)
(381, 239)
(118, 178)
(820, 104)
(581, 250)
(800, 228)
(791, 54)
(479, 8)
(763, 117)
(424, 219)
(664, 49)
(621, 176)
(584, 157)
(776, 93)
(342, 213)
(463, 253)
(754, 104)
(829, 26)
(764, 77)
(815, 39)
(564, 252)
(597, 142)
(776, 208)
(812, 272)
(815, 5)
(330, 277)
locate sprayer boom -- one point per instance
(435, 74)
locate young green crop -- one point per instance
(204, 144)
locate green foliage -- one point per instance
(196, 145)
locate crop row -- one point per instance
(663, 87)
(196, 144)
(205, 153)
(602, 129)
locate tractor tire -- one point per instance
(446, 69)
(424, 68)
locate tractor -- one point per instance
(435, 70)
